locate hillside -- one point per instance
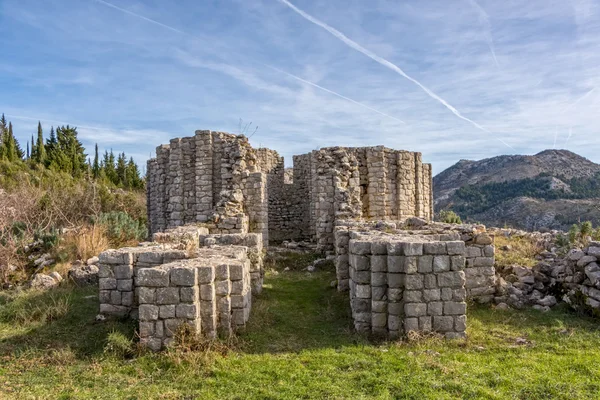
(552, 189)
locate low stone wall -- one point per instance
(186, 278)
(400, 284)
(581, 275)
(479, 250)
(254, 244)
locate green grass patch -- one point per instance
(299, 344)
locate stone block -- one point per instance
(361, 305)
(207, 292)
(483, 262)
(473, 252)
(379, 248)
(379, 278)
(152, 277)
(397, 280)
(184, 276)
(379, 263)
(360, 247)
(115, 297)
(378, 306)
(415, 309)
(148, 312)
(379, 293)
(443, 323)
(379, 320)
(434, 248)
(206, 275)
(125, 285)
(455, 279)
(430, 281)
(146, 295)
(425, 324)
(222, 272)
(123, 271)
(413, 296)
(441, 264)
(127, 299)
(146, 329)
(431, 295)
(395, 264)
(395, 249)
(411, 325)
(394, 322)
(104, 296)
(394, 294)
(166, 311)
(412, 249)
(363, 291)
(413, 282)
(457, 263)
(105, 271)
(435, 308)
(187, 311)
(151, 257)
(223, 288)
(455, 308)
(425, 264)
(456, 248)
(107, 284)
(168, 295)
(460, 323)
(236, 272)
(395, 308)
(411, 264)
(189, 294)
(362, 277)
(359, 262)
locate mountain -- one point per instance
(552, 189)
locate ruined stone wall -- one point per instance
(402, 284)
(479, 254)
(213, 178)
(184, 277)
(219, 179)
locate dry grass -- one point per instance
(86, 242)
(516, 250)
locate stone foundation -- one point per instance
(400, 284)
(167, 284)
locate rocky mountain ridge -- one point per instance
(552, 189)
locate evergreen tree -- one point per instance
(96, 164)
(133, 174)
(40, 156)
(3, 138)
(51, 149)
(109, 167)
(122, 170)
(27, 156)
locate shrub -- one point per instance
(84, 243)
(121, 228)
(119, 345)
(449, 217)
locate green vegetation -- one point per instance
(516, 250)
(474, 199)
(449, 217)
(52, 198)
(299, 344)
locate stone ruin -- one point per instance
(214, 204)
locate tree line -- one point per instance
(63, 152)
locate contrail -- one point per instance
(349, 42)
(567, 108)
(269, 66)
(333, 93)
(486, 19)
(569, 137)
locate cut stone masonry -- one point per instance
(214, 202)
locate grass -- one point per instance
(522, 251)
(299, 344)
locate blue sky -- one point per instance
(454, 79)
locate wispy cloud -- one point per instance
(389, 65)
(485, 18)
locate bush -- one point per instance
(119, 345)
(84, 243)
(121, 228)
(449, 217)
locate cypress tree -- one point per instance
(12, 150)
(96, 164)
(41, 149)
(122, 170)
(3, 138)
(51, 149)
